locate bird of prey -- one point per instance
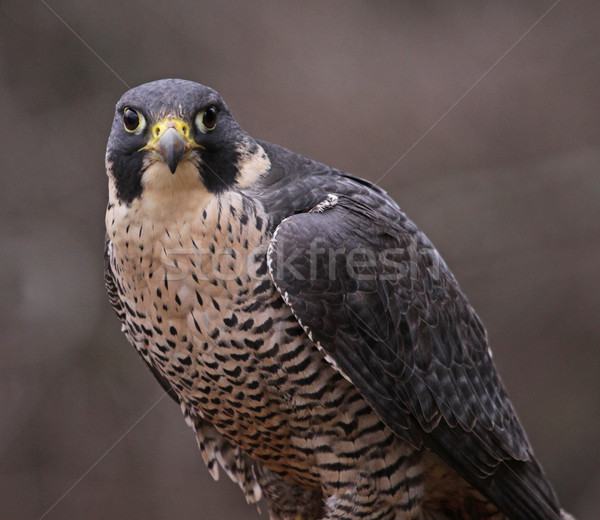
(315, 340)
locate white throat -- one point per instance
(171, 196)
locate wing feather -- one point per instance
(390, 314)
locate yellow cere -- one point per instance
(162, 126)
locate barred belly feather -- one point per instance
(317, 343)
(201, 309)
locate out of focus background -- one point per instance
(480, 118)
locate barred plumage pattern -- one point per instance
(332, 396)
(248, 377)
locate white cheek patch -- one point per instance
(252, 166)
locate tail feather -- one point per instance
(521, 491)
(517, 488)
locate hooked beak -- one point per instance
(171, 141)
(172, 147)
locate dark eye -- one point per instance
(132, 120)
(206, 120)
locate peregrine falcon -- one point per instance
(315, 340)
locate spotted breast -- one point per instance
(200, 307)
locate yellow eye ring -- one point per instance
(206, 120)
(133, 121)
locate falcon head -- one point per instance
(174, 135)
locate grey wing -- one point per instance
(376, 297)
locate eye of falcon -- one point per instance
(133, 121)
(206, 120)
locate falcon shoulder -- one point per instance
(375, 296)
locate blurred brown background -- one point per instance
(507, 186)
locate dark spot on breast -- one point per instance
(240, 357)
(277, 303)
(233, 373)
(262, 268)
(161, 357)
(213, 365)
(247, 325)
(148, 332)
(252, 307)
(197, 325)
(187, 360)
(296, 369)
(262, 287)
(231, 322)
(295, 331)
(254, 436)
(227, 388)
(288, 356)
(271, 368)
(273, 351)
(253, 344)
(264, 327)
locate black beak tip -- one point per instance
(172, 148)
(172, 164)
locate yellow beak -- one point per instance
(171, 141)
